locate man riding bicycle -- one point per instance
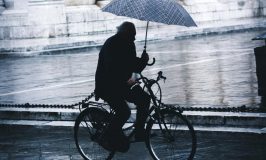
(116, 64)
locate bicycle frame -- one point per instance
(157, 110)
(156, 107)
(158, 113)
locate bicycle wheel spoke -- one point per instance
(86, 124)
(87, 131)
(175, 137)
(157, 92)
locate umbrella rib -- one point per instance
(165, 14)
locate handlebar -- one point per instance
(160, 76)
(151, 81)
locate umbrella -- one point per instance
(162, 11)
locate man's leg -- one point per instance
(114, 134)
(122, 113)
(142, 100)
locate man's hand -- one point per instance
(145, 56)
(131, 82)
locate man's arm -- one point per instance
(141, 63)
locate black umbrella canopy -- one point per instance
(162, 11)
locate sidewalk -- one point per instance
(45, 134)
(51, 144)
(230, 122)
(163, 32)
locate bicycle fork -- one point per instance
(163, 126)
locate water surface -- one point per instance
(217, 70)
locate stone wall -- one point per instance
(55, 18)
(213, 10)
(2, 6)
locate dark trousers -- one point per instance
(118, 102)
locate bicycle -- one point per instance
(169, 135)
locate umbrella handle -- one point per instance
(153, 59)
(152, 63)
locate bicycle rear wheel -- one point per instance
(173, 137)
(88, 128)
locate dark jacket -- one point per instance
(117, 61)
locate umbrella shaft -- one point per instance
(146, 35)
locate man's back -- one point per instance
(116, 63)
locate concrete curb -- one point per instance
(62, 126)
(196, 117)
(240, 119)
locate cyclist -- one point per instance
(116, 63)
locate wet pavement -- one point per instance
(58, 144)
(216, 70)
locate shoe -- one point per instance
(121, 142)
(122, 147)
(107, 146)
(114, 142)
(140, 136)
(105, 142)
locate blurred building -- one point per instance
(23, 19)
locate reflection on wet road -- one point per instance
(216, 70)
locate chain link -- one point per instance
(213, 109)
(28, 105)
(223, 109)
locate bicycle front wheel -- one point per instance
(88, 128)
(156, 90)
(171, 137)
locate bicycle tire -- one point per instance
(89, 125)
(156, 89)
(175, 140)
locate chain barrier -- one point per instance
(221, 109)
(28, 105)
(213, 109)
